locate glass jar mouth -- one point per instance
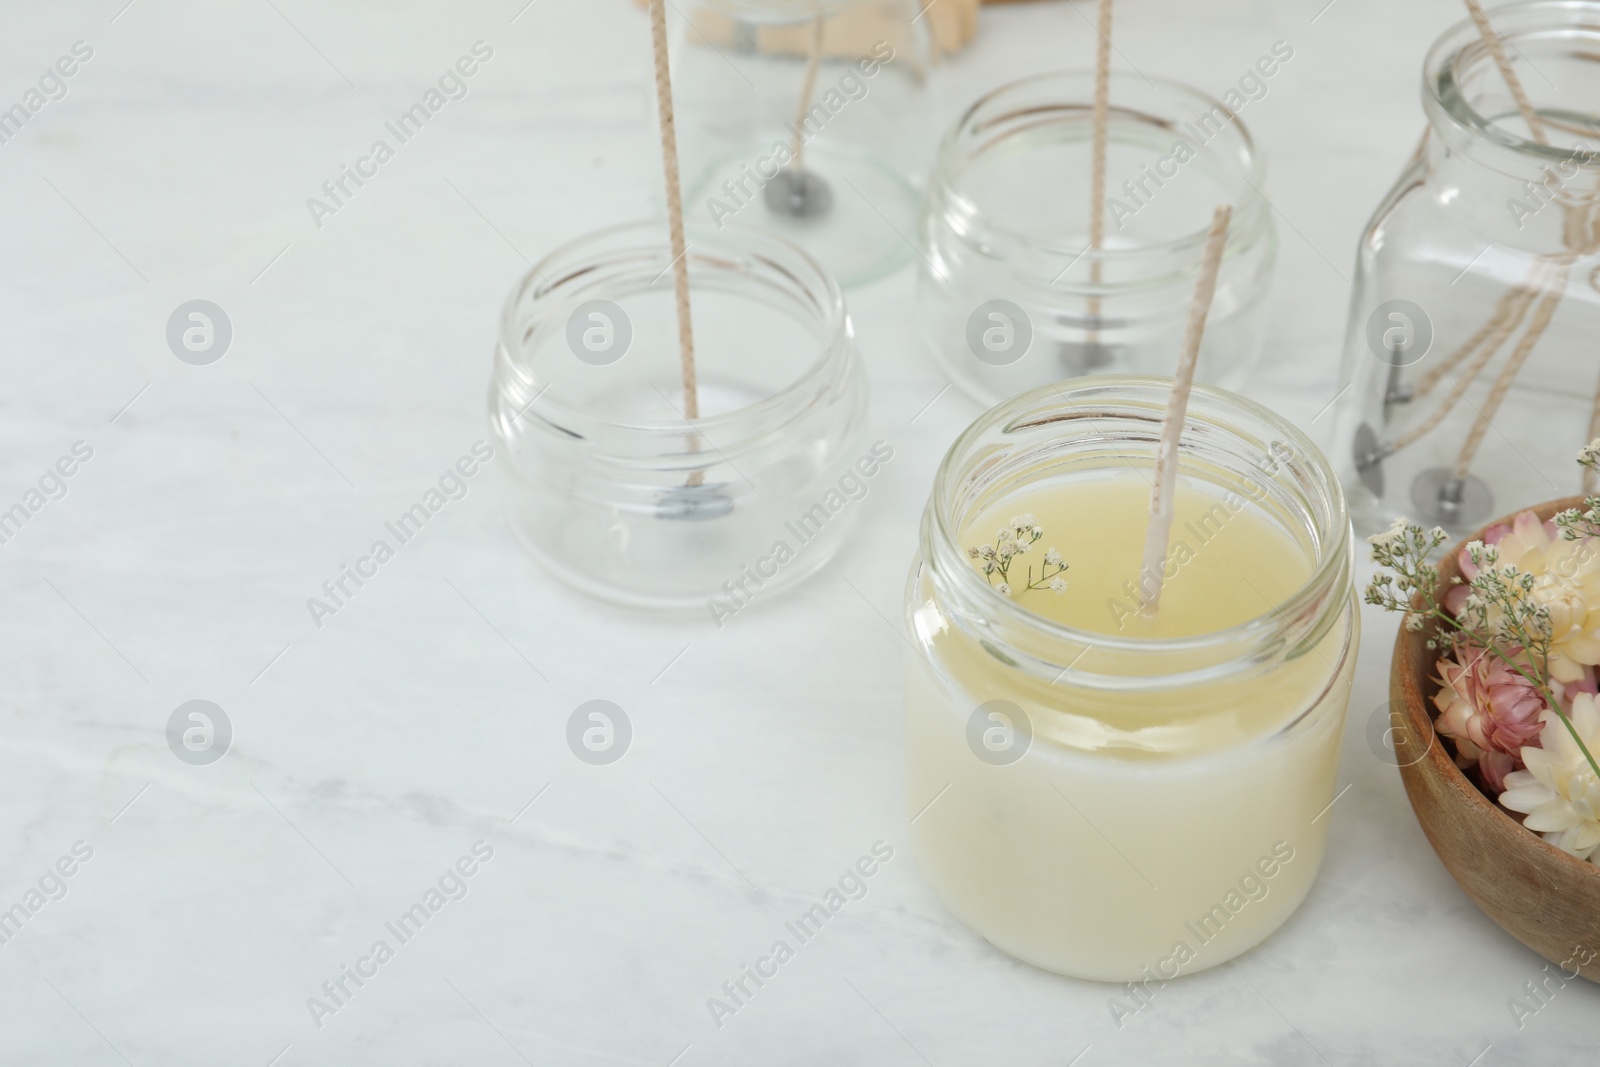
(1065, 97)
(1217, 419)
(633, 258)
(1528, 29)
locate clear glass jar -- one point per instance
(1010, 296)
(1469, 373)
(611, 487)
(830, 154)
(1140, 784)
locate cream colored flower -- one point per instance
(1566, 582)
(1559, 792)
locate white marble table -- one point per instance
(371, 754)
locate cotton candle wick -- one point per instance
(1491, 40)
(808, 87)
(1166, 476)
(669, 163)
(1097, 176)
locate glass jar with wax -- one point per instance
(810, 118)
(1102, 790)
(1010, 293)
(620, 494)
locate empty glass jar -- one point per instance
(1011, 295)
(619, 494)
(1470, 370)
(809, 118)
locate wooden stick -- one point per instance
(1491, 39)
(1166, 477)
(1097, 176)
(807, 88)
(669, 163)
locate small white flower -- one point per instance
(972, 553)
(1038, 532)
(1057, 586)
(1559, 792)
(1052, 558)
(1007, 550)
(1003, 535)
(1590, 453)
(986, 552)
(1022, 546)
(1005, 589)
(1394, 536)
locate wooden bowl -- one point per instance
(1544, 897)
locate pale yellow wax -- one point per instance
(1147, 832)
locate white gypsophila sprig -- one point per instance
(1406, 577)
(1013, 540)
(1576, 524)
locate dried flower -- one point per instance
(1485, 703)
(1015, 540)
(1518, 637)
(1550, 580)
(1589, 455)
(1559, 791)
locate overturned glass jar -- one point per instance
(1469, 375)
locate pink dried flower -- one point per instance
(1484, 702)
(1494, 766)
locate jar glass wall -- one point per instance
(810, 118)
(1469, 374)
(1011, 296)
(611, 487)
(1142, 784)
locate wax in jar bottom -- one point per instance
(1112, 871)
(1226, 564)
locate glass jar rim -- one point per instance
(1461, 46)
(1248, 216)
(941, 536)
(571, 267)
